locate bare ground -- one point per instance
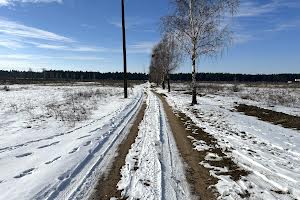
(285, 120)
(199, 177)
(106, 187)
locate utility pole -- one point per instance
(124, 50)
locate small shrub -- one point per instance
(246, 96)
(235, 88)
(6, 88)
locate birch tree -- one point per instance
(201, 29)
(172, 56)
(165, 59)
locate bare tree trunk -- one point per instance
(169, 87)
(194, 89)
(163, 84)
(194, 42)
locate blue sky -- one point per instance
(86, 35)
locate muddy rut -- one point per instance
(199, 177)
(106, 187)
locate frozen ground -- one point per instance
(270, 152)
(54, 139)
(153, 168)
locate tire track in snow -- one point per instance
(76, 183)
(11, 148)
(106, 186)
(172, 177)
(150, 171)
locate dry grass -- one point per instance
(77, 106)
(266, 93)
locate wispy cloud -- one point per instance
(136, 48)
(14, 2)
(31, 57)
(141, 47)
(14, 35)
(13, 28)
(11, 44)
(285, 26)
(253, 8)
(69, 47)
(37, 62)
(88, 26)
(267, 15)
(242, 38)
(134, 23)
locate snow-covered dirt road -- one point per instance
(64, 164)
(153, 168)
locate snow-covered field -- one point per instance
(269, 152)
(55, 139)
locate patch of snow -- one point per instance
(212, 157)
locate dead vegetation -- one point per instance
(77, 106)
(267, 94)
(5, 88)
(72, 105)
(287, 121)
(272, 97)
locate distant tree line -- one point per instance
(227, 77)
(60, 75)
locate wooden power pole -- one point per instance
(124, 50)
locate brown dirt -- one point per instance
(107, 185)
(287, 121)
(197, 175)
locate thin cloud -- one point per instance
(11, 44)
(17, 35)
(133, 23)
(31, 57)
(142, 47)
(12, 28)
(88, 26)
(285, 26)
(264, 14)
(253, 9)
(242, 38)
(14, 2)
(37, 62)
(75, 48)
(18, 44)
